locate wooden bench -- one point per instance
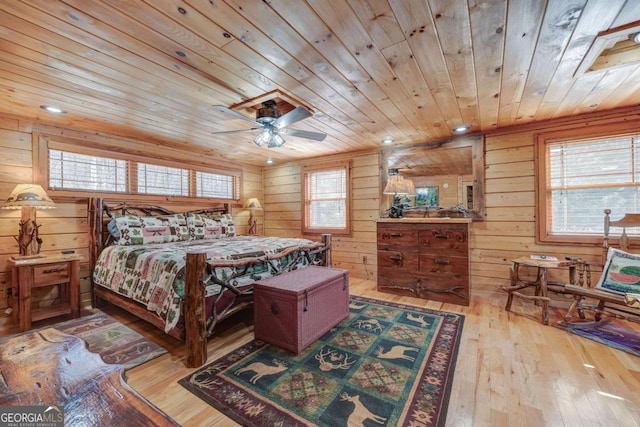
(608, 304)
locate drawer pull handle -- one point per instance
(391, 235)
(442, 261)
(440, 235)
(397, 259)
(53, 270)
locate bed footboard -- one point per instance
(194, 313)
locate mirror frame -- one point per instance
(477, 160)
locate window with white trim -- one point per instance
(326, 206)
(579, 178)
(74, 171)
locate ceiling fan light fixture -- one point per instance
(263, 137)
(276, 141)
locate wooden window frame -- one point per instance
(45, 143)
(544, 234)
(310, 169)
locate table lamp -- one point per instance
(252, 204)
(398, 187)
(28, 197)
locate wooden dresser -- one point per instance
(425, 258)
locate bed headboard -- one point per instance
(102, 210)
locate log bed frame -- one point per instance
(194, 330)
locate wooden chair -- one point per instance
(609, 304)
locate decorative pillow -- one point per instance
(621, 273)
(227, 223)
(112, 226)
(135, 230)
(177, 220)
(202, 227)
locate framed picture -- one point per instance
(427, 196)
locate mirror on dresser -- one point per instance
(451, 172)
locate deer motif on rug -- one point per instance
(360, 413)
(262, 369)
(418, 319)
(396, 352)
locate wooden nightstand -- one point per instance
(60, 270)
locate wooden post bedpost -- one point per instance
(326, 241)
(605, 241)
(193, 310)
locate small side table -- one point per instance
(577, 270)
(29, 273)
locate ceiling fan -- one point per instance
(271, 124)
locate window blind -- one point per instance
(77, 171)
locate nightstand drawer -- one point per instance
(50, 274)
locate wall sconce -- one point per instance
(28, 197)
(252, 204)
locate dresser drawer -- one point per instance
(398, 259)
(50, 274)
(441, 240)
(444, 264)
(444, 287)
(397, 237)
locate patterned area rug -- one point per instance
(115, 342)
(608, 334)
(386, 364)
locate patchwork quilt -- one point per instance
(154, 274)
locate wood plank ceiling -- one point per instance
(368, 69)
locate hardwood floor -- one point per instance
(511, 369)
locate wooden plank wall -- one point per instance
(282, 192)
(66, 227)
(507, 232)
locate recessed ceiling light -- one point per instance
(52, 109)
(269, 161)
(461, 128)
(387, 140)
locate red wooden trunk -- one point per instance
(294, 309)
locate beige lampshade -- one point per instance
(252, 203)
(28, 196)
(396, 185)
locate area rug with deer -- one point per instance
(385, 364)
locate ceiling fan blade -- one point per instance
(316, 136)
(235, 131)
(235, 114)
(291, 117)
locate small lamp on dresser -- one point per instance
(252, 204)
(28, 198)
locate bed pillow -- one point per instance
(201, 227)
(227, 222)
(179, 221)
(621, 273)
(135, 230)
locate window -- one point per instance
(153, 179)
(96, 173)
(580, 177)
(216, 185)
(326, 207)
(80, 172)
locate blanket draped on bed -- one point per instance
(154, 274)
